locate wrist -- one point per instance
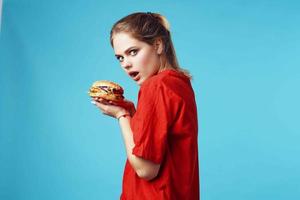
(124, 114)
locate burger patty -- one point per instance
(107, 90)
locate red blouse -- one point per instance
(165, 131)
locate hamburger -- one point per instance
(107, 90)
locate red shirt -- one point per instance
(165, 131)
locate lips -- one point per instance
(134, 75)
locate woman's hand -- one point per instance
(114, 109)
(128, 105)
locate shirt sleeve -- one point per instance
(150, 124)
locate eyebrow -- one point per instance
(127, 50)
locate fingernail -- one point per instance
(93, 102)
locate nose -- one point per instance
(126, 64)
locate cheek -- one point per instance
(147, 59)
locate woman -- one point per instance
(160, 135)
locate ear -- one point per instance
(158, 45)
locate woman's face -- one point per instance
(138, 59)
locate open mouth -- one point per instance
(133, 74)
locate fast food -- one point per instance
(107, 90)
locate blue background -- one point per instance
(244, 58)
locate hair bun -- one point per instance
(163, 20)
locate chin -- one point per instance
(140, 82)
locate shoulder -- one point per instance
(170, 80)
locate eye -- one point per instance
(133, 52)
(120, 58)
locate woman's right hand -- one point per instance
(126, 104)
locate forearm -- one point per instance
(144, 168)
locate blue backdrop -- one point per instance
(244, 58)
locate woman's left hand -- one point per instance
(110, 108)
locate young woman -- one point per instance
(160, 135)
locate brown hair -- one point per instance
(147, 27)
